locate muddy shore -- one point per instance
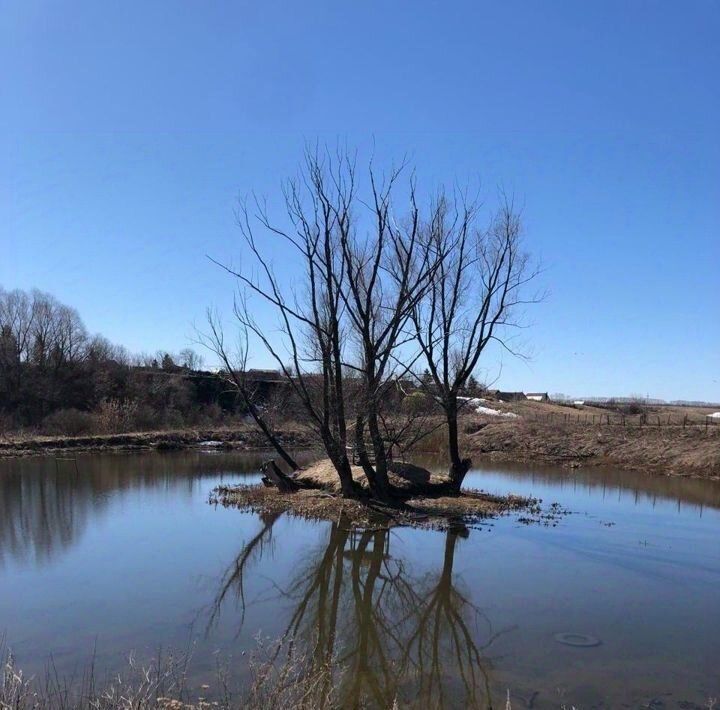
(239, 439)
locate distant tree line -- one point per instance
(58, 378)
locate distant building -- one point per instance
(538, 396)
(507, 396)
(265, 383)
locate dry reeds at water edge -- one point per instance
(297, 682)
(155, 684)
(162, 684)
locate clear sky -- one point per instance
(127, 129)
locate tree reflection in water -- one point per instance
(389, 635)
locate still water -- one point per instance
(123, 552)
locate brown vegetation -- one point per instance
(671, 450)
(420, 498)
(239, 437)
(58, 379)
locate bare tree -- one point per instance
(365, 270)
(189, 359)
(235, 374)
(386, 275)
(310, 355)
(473, 300)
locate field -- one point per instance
(665, 439)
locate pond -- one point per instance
(616, 605)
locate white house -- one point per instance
(537, 396)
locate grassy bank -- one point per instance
(662, 442)
(677, 451)
(238, 437)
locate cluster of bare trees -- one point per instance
(55, 375)
(42, 345)
(387, 286)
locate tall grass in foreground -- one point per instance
(162, 684)
(294, 684)
(157, 684)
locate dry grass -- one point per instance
(138, 686)
(280, 677)
(403, 476)
(324, 502)
(420, 511)
(667, 450)
(242, 436)
(161, 684)
(674, 450)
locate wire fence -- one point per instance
(627, 420)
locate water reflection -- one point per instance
(395, 636)
(125, 552)
(603, 483)
(47, 503)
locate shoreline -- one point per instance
(419, 499)
(666, 451)
(204, 439)
(691, 452)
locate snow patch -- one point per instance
(495, 413)
(472, 401)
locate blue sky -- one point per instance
(128, 129)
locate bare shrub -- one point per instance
(69, 422)
(173, 418)
(114, 416)
(418, 403)
(6, 423)
(635, 406)
(145, 418)
(283, 677)
(15, 689)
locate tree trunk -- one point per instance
(277, 478)
(340, 461)
(348, 486)
(382, 483)
(361, 451)
(458, 467)
(270, 436)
